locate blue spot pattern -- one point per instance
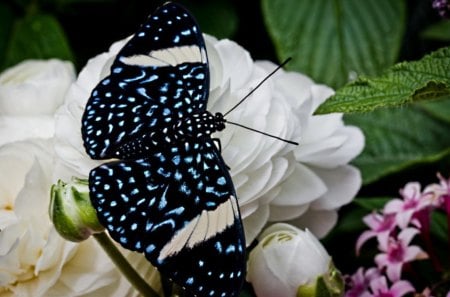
(153, 120)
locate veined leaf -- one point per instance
(428, 78)
(335, 40)
(398, 138)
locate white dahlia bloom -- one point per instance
(274, 180)
(34, 259)
(30, 93)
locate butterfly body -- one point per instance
(169, 194)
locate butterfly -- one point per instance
(168, 193)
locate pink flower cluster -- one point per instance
(442, 7)
(395, 227)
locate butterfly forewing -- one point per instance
(159, 77)
(168, 196)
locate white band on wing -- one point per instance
(201, 228)
(169, 56)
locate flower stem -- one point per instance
(447, 210)
(125, 268)
(424, 217)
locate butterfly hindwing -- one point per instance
(185, 219)
(159, 77)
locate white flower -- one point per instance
(34, 259)
(30, 93)
(285, 259)
(275, 181)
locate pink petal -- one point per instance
(401, 288)
(366, 235)
(407, 235)
(411, 191)
(414, 253)
(372, 273)
(393, 271)
(373, 220)
(381, 260)
(383, 240)
(403, 218)
(366, 294)
(378, 285)
(393, 206)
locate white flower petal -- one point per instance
(320, 93)
(241, 67)
(301, 187)
(34, 87)
(284, 213)
(331, 149)
(320, 222)
(284, 259)
(35, 185)
(342, 183)
(255, 222)
(19, 128)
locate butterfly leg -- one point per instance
(217, 143)
(219, 146)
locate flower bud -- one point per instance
(290, 262)
(71, 210)
(329, 284)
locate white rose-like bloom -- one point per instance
(34, 259)
(284, 259)
(274, 180)
(30, 93)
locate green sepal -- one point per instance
(330, 284)
(71, 210)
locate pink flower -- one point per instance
(413, 201)
(439, 194)
(444, 200)
(380, 226)
(359, 282)
(397, 252)
(380, 288)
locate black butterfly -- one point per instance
(169, 195)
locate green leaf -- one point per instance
(37, 37)
(222, 12)
(399, 138)
(439, 31)
(428, 78)
(437, 108)
(372, 203)
(332, 41)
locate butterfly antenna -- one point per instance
(261, 132)
(257, 86)
(248, 95)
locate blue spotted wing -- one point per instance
(169, 193)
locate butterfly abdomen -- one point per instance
(197, 125)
